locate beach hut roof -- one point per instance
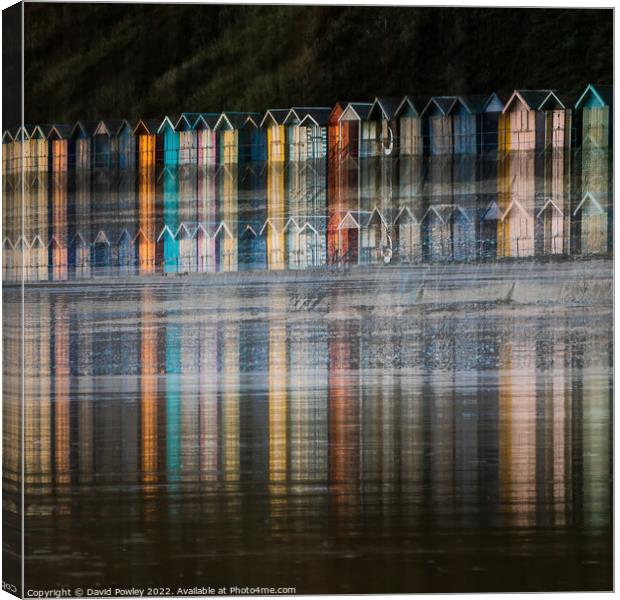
(556, 100)
(167, 122)
(109, 127)
(318, 116)
(7, 137)
(443, 103)
(184, 122)
(384, 108)
(276, 115)
(146, 126)
(59, 132)
(37, 133)
(414, 103)
(590, 198)
(531, 99)
(206, 120)
(359, 109)
(474, 104)
(83, 129)
(123, 124)
(603, 94)
(237, 120)
(336, 111)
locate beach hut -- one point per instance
(145, 134)
(79, 257)
(383, 124)
(357, 134)
(273, 124)
(7, 152)
(591, 218)
(40, 149)
(105, 144)
(595, 106)
(374, 237)
(314, 126)
(437, 125)
(237, 137)
(125, 146)
(333, 132)
(468, 122)
(80, 144)
(204, 130)
(21, 149)
(187, 135)
(407, 117)
(520, 127)
(349, 238)
(169, 141)
(58, 138)
(557, 109)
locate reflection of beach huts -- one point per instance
(590, 219)
(516, 228)
(275, 243)
(357, 134)
(79, 257)
(409, 137)
(449, 232)
(375, 240)
(382, 124)
(252, 249)
(407, 241)
(349, 239)
(145, 134)
(595, 106)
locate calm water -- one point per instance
(287, 435)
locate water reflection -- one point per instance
(278, 215)
(187, 432)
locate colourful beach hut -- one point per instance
(313, 125)
(58, 138)
(80, 144)
(7, 152)
(409, 139)
(105, 144)
(333, 131)
(557, 109)
(273, 124)
(39, 149)
(169, 141)
(357, 134)
(145, 134)
(518, 129)
(595, 106)
(204, 130)
(187, 135)
(125, 146)
(437, 124)
(469, 122)
(237, 137)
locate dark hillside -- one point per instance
(104, 60)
